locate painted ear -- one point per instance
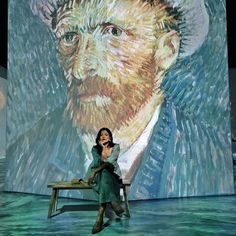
(167, 50)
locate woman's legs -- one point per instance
(99, 221)
(117, 208)
(109, 187)
(108, 190)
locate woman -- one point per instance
(106, 175)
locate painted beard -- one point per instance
(97, 102)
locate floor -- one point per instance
(26, 214)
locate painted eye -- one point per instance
(113, 30)
(69, 38)
(116, 31)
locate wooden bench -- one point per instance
(68, 185)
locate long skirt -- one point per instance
(107, 187)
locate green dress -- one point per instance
(107, 181)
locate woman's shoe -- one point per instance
(97, 226)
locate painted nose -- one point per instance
(84, 60)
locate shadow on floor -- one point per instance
(88, 207)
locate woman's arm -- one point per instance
(114, 155)
(106, 164)
(96, 159)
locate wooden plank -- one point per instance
(70, 185)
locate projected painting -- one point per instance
(154, 72)
(3, 86)
(3, 102)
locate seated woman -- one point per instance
(106, 175)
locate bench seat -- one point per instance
(80, 185)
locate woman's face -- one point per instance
(104, 137)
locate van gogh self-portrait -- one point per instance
(122, 62)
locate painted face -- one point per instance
(107, 50)
(105, 137)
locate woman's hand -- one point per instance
(91, 178)
(103, 144)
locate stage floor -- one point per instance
(25, 214)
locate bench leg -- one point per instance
(56, 199)
(126, 201)
(53, 202)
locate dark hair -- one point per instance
(110, 144)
